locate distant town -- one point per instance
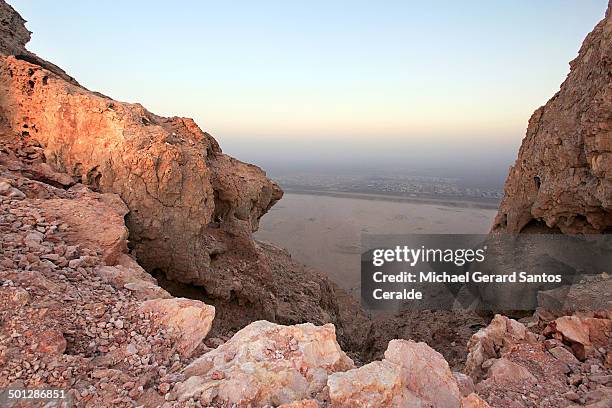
(408, 186)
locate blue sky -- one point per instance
(354, 76)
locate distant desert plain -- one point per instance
(325, 231)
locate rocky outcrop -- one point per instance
(265, 364)
(411, 375)
(191, 208)
(13, 33)
(562, 178)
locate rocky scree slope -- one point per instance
(562, 178)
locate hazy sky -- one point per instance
(326, 80)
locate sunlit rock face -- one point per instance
(562, 178)
(192, 209)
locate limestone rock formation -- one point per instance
(411, 375)
(562, 178)
(191, 209)
(265, 364)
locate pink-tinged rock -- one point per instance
(425, 372)
(266, 363)
(189, 203)
(584, 334)
(51, 342)
(378, 384)
(44, 172)
(490, 341)
(411, 375)
(474, 401)
(600, 331)
(504, 371)
(85, 229)
(190, 319)
(563, 355)
(573, 329)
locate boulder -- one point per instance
(265, 363)
(583, 334)
(190, 319)
(377, 384)
(489, 342)
(411, 375)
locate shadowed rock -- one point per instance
(562, 178)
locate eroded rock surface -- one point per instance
(562, 178)
(192, 209)
(265, 364)
(411, 375)
(488, 343)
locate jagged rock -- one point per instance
(377, 384)
(192, 208)
(564, 355)
(473, 401)
(418, 358)
(562, 178)
(13, 33)
(572, 328)
(190, 319)
(489, 342)
(582, 334)
(411, 375)
(265, 363)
